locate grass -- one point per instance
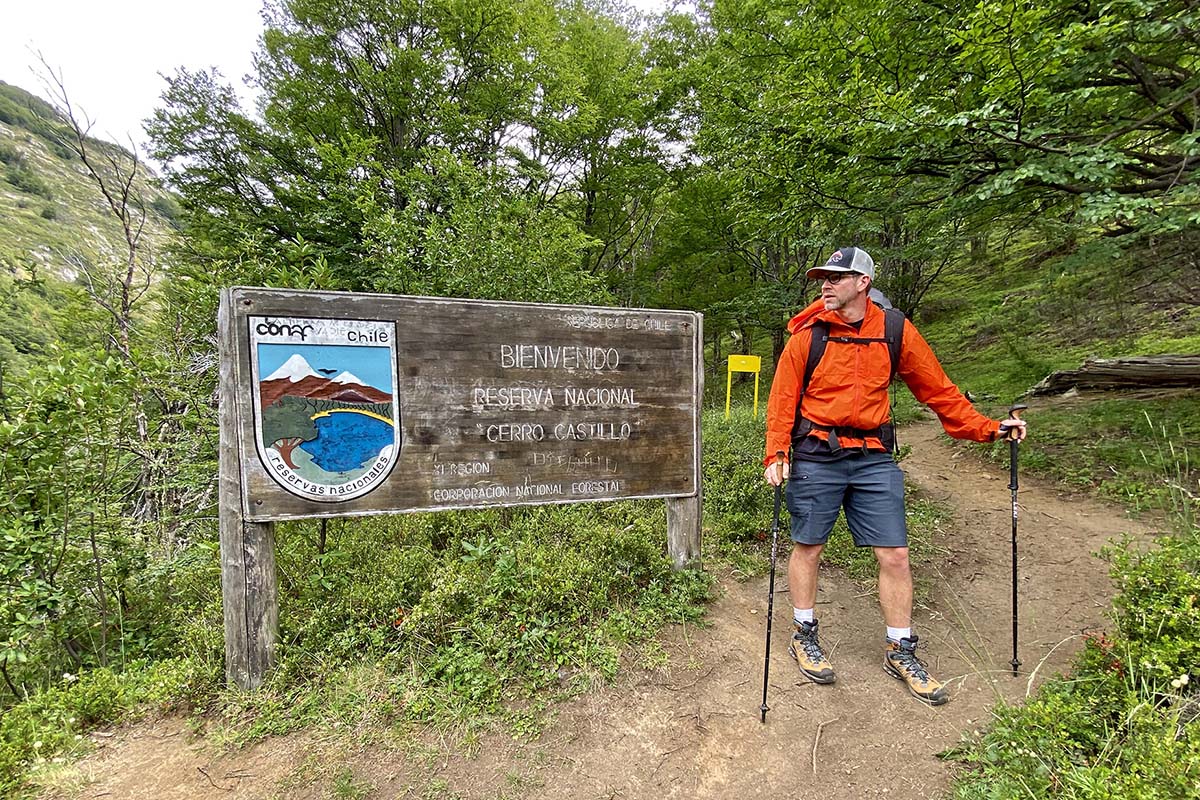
(78, 227)
(55, 222)
(480, 620)
(463, 621)
(56, 227)
(1118, 726)
(1109, 446)
(346, 786)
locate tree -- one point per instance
(418, 103)
(600, 140)
(286, 424)
(962, 116)
(791, 124)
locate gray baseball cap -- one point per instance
(848, 259)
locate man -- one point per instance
(836, 425)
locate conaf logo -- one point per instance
(271, 328)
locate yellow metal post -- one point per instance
(742, 364)
(728, 389)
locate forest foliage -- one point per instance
(1023, 173)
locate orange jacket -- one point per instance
(849, 387)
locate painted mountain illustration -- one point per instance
(296, 378)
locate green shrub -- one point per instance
(1095, 735)
(478, 606)
(1124, 724)
(97, 699)
(737, 502)
(1157, 608)
(28, 181)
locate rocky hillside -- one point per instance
(56, 222)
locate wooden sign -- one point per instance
(337, 404)
(365, 404)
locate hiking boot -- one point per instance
(805, 648)
(901, 662)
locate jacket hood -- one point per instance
(815, 311)
(806, 317)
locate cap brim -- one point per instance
(828, 268)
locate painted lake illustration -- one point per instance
(328, 417)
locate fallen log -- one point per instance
(1135, 372)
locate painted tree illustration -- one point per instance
(286, 424)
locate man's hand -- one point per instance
(776, 473)
(1012, 428)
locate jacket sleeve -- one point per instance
(785, 396)
(921, 371)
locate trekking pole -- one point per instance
(1013, 445)
(764, 708)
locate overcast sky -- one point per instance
(111, 54)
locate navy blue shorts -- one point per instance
(871, 489)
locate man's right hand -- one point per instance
(776, 473)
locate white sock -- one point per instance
(802, 614)
(896, 634)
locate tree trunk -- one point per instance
(285, 447)
(1138, 372)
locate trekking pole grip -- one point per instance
(1014, 412)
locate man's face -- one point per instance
(839, 288)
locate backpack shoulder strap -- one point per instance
(893, 334)
(893, 331)
(816, 349)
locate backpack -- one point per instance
(893, 335)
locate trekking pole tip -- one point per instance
(764, 708)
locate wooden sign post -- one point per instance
(336, 404)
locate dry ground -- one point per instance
(691, 727)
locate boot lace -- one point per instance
(906, 659)
(812, 648)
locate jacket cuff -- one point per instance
(770, 459)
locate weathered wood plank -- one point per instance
(498, 403)
(1136, 372)
(683, 531)
(248, 588)
(684, 514)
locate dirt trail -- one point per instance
(691, 728)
